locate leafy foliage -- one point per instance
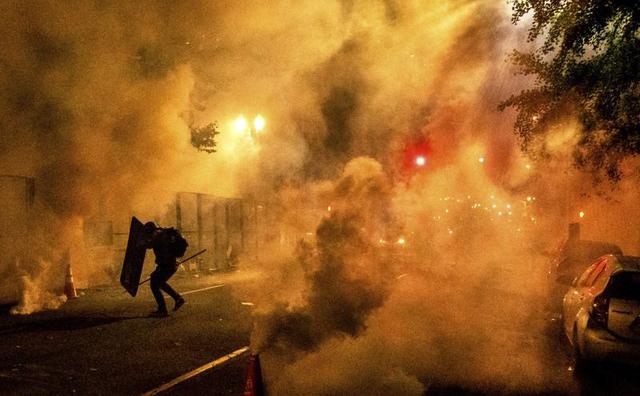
(588, 66)
(204, 138)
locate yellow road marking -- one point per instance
(199, 370)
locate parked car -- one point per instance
(601, 311)
(570, 260)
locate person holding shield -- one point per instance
(167, 245)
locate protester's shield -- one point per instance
(133, 258)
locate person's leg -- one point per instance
(170, 291)
(157, 282)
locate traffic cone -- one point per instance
(254, 385)
(69, 287)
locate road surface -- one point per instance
(104, 343)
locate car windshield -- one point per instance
(625, 286)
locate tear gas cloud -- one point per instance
(96, 104)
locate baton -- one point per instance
(179, 263)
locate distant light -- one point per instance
(528, 166)
(450, 232)
(581, 214)
(259, 123)
(529, 199)
(446, 211)
(329, 209)
(508, 206)
(420, 160)
(481, 160)
(401, 241)
(240, 124)
(494, 206)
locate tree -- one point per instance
(587, 66)
(204, 138)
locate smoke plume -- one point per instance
(405, 274)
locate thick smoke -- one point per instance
(96, 102)
(347, 278)
(94, 105)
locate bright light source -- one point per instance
(329, 209)
(528, 166)
(240, 124)
(481, 160)
(529, 199)
(420, 160)
(401, 241)
(581, 214)
(258, 123)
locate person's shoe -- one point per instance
(160, 313)
(179, 303)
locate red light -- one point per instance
(415, 155)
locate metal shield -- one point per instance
(133, 258)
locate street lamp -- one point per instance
(242, 127)
(258, 123)
(240, 124)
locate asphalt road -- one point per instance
(105, 343)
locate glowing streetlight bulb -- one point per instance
(258, 123)
(481, 160)
(240, 124)
(420, 160)
(581, 214)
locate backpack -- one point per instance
(177, 244)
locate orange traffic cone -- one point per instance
(254, 385)
(69, 287)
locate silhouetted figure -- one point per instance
(167, 246)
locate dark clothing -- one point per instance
(161, 244)
(167, 266)
(159, 279)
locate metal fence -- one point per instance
(226, 227)
(16, 206)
